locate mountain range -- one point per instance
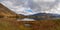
(44, 16)
(4, 11)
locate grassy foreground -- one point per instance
(12, 24)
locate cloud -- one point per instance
(30, 7)
(56, 9)
(19, 9)
(9, 4)
(44, 0)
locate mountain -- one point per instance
(6, 12)
(44, 16)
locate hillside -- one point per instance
(5, 12)
(44, 16)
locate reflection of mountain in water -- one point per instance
(44, 16)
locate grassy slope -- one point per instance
(5, 11)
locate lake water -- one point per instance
(25, 19)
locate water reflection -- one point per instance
(25, 19)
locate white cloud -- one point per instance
(56, 9)
(8, 4)
(18, 9)
(44, 0)
(20, 6)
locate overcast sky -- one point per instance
(29, 7)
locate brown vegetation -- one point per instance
(13, 24)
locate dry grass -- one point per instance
(12, 24)
(8, 24)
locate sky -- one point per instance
(30, 7)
